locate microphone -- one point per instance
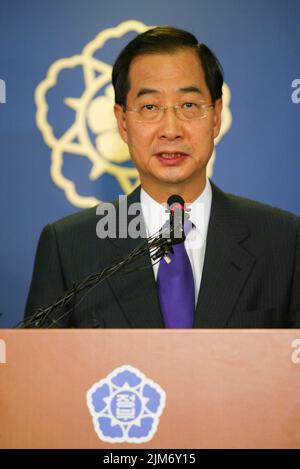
(174, 233)
(178, 215)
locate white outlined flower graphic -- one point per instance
(92, 134)
(126, 406)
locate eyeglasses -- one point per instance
(154, 113)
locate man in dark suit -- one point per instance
(245, 271)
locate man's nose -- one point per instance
(171, 127)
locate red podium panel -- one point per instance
(224, 388)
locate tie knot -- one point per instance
(188, 225)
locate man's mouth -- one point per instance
(169, 157)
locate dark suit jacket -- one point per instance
(251, 274)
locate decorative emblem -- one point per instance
(126, 406)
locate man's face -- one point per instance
(171, 155)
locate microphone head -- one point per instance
(176, 206)
(177, 200)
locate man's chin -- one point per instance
(178, 180)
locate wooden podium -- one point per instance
(224, 388)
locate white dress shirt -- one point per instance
(155, 216)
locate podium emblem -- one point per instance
(126, 406)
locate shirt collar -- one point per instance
(155, 215)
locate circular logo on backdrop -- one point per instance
(75, 116)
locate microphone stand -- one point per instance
(50, 316)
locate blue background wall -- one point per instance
(258, 45)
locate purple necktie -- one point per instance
(176, 290)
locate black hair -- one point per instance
(165, 39)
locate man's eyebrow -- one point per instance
(185, 89)
(190, 89)
(143, 91)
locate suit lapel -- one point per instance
(135, 291)
(227, 264)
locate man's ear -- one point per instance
(217, 117)
(121, 120)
